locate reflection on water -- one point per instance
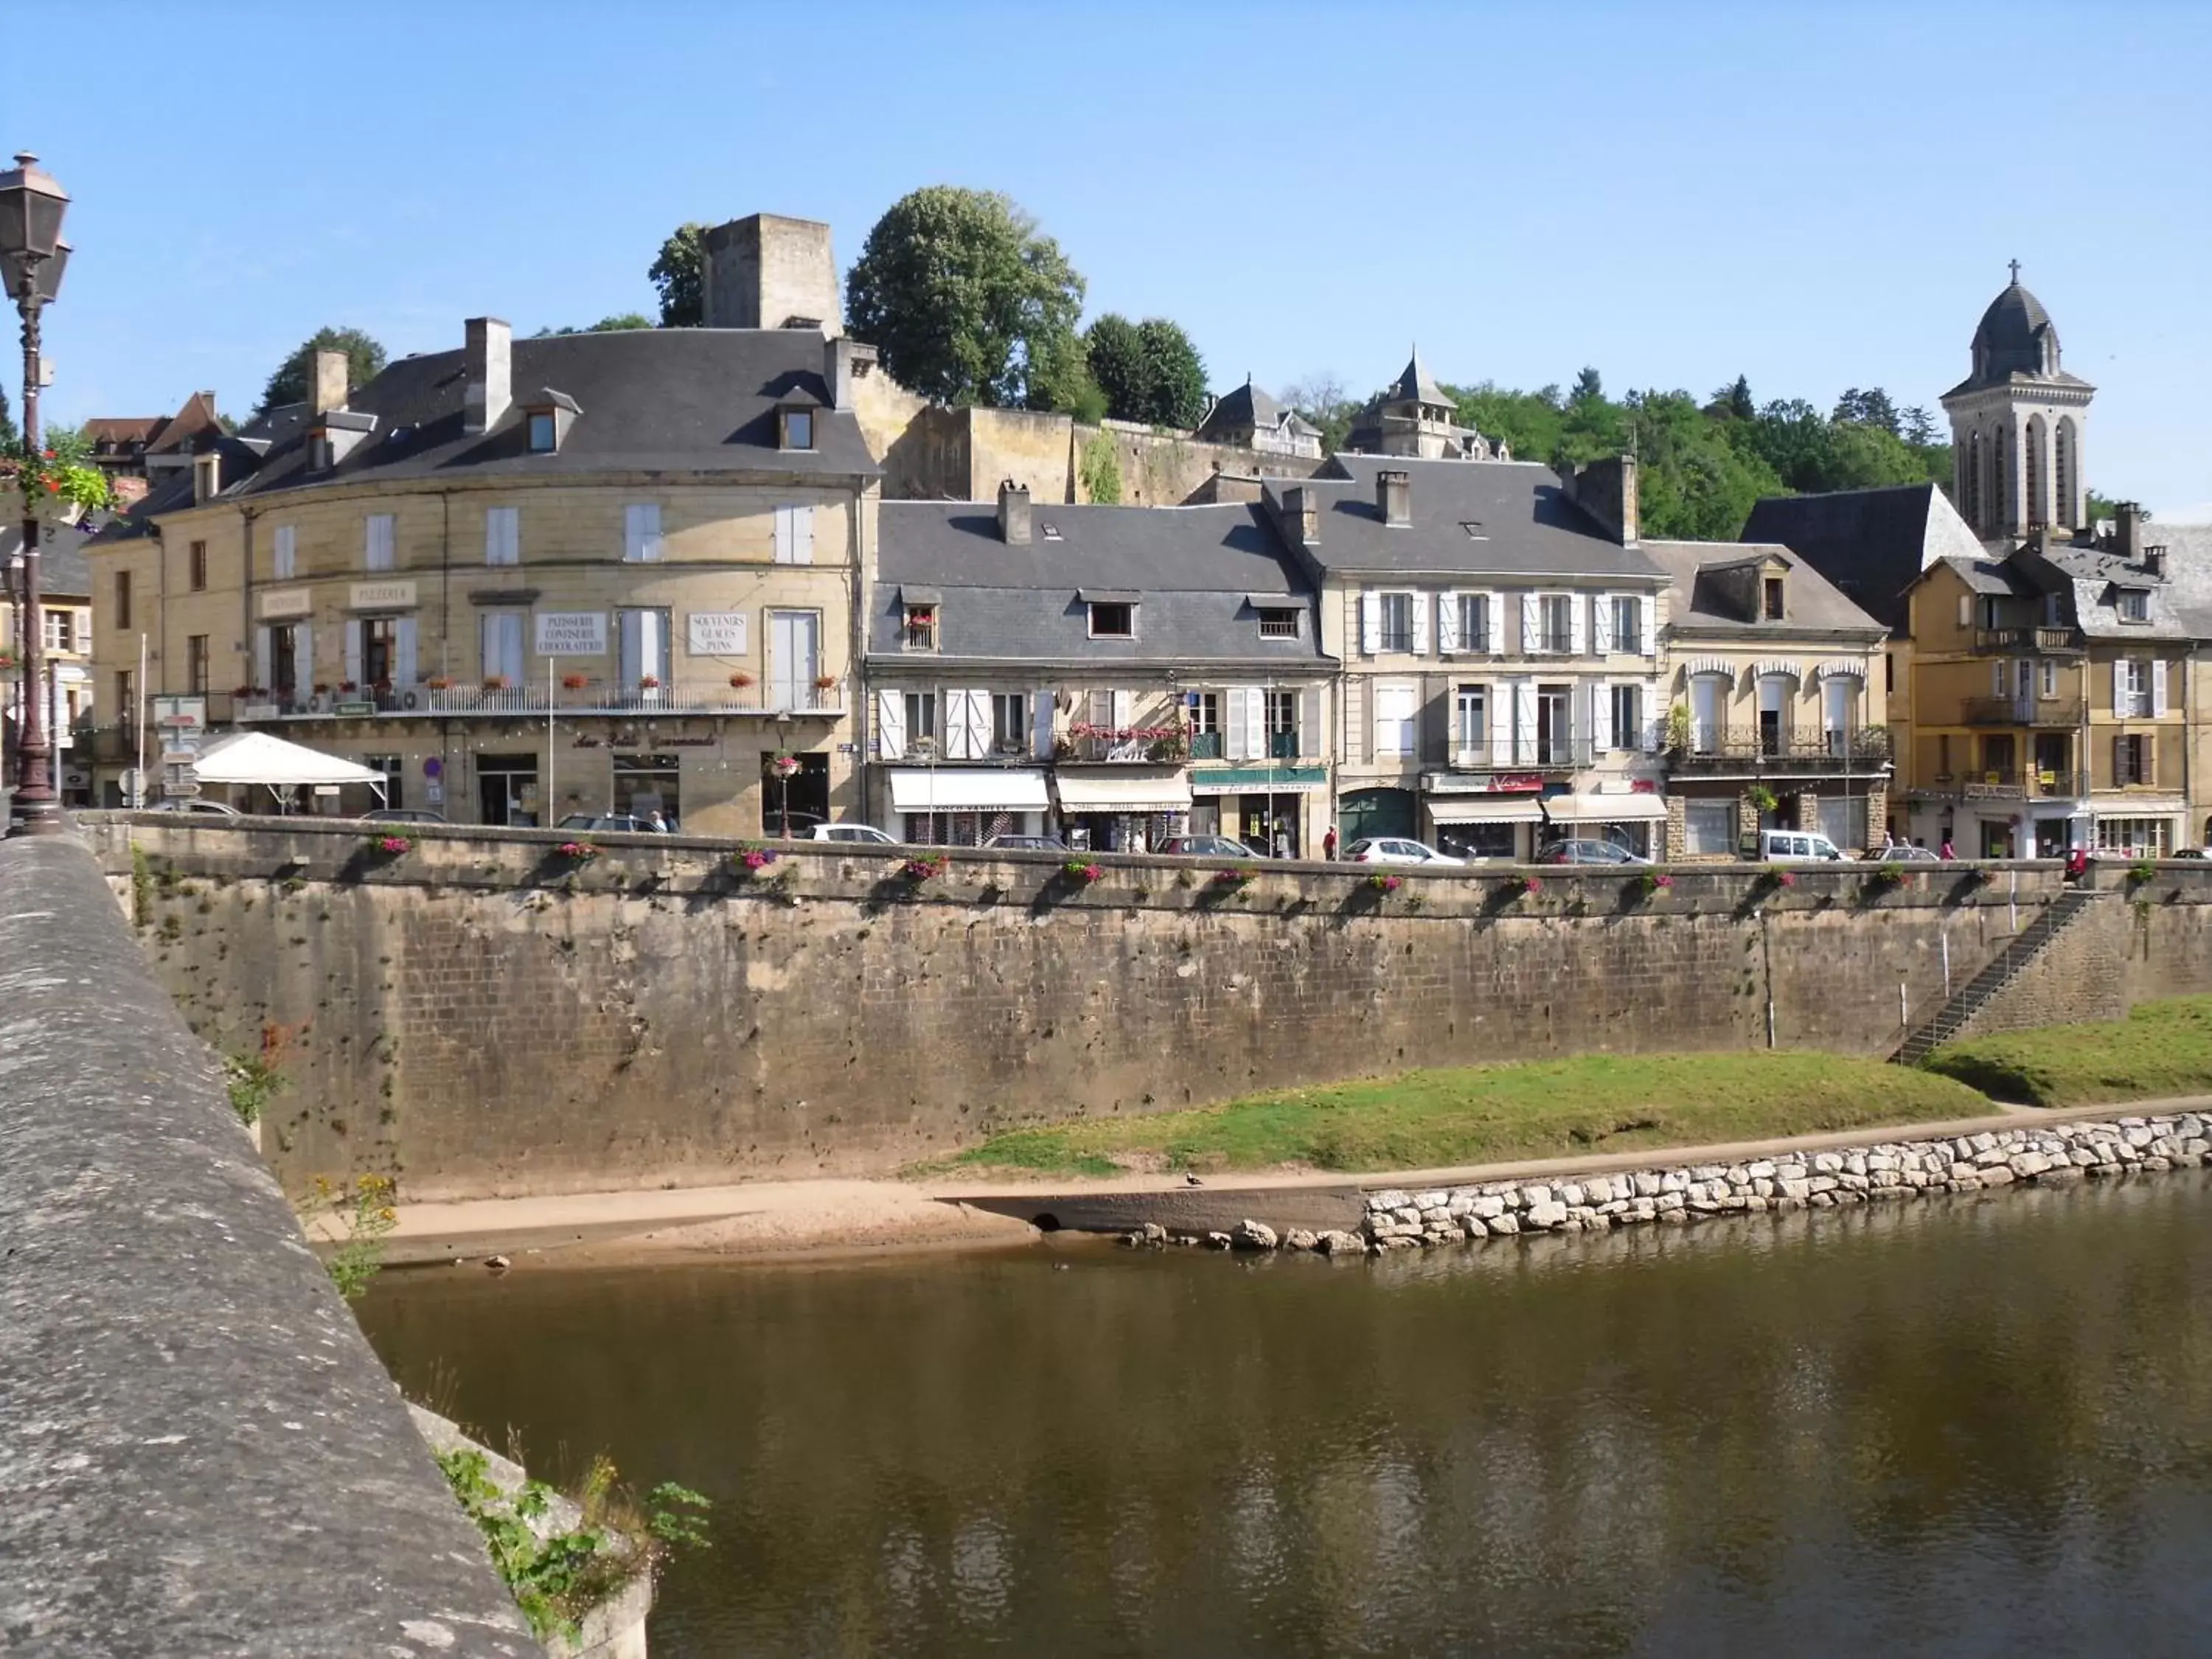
(1970, 1426)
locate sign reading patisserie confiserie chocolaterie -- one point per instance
(572, 633)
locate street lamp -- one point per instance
(33, 256)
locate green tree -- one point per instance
(678, 274)
(966, 303)
(288, 384)
(1147, 372)
(1321, 399)
(1869, 408)
(1734, 401)
(620, 321)
(1530, 422)
(7, 420)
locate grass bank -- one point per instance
(1488, 1114)
(2160, 1050)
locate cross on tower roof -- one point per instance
(2015, 272)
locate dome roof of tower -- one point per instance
(2015, 339)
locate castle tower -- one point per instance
(2017, 425)
(767, 271)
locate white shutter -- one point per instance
(1498, 710)
(488, 644)
(1447, 624)
(802, 535)
(2119, 687)
(1123, 706)
(653, 631)
(981, 727)
(1650, 713)
(1041, 712)
(1524, 720)
(1966, 610)
(1309, 721)
(891, 725)
(954, 729)
(629, 659)
(1370, 622)
(641, 531)
(1997, 677)
(378, 543)
(288, 552)
(1493, 623)
(1601, 716)
(1601, 624)
(1418, 607)
(1234, 717)
(403, 653)
(353, 653)
(2158, 685)
(261, 656)
(502, 535)
(1578, 633)
(783, 535)
(1648, 604)
(1528, 624)
(1255, 723)
(303, 658)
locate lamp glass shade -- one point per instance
(31, 208)
(49, 277)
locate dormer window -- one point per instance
(2134, 604)
(918, 608)
(1113, 614)
(1771, 599)
(547, 415)
(1279, 621)
(542, 434)
(798, 429)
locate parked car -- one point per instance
(403, 815)
(1027, 843)
(214, 809)
(1796, 847)
(1206, 847)
(2190, 852)
(1575, 850)
(795, 826)
(1900, 852)
(865, 833)
(1396, 849)
(611, 823)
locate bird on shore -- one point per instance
(1192, 1181)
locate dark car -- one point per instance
(1206, 847)
(1027, 843)
(403, 815)
(1576, 851)
(615, 822)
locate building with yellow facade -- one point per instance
(65, 617)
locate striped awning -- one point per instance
(1842, 670)
(1702, 667)
(1789, 670)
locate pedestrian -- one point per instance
(1947, 855)
(655, 823)
(1328, 844)
(1282, 842)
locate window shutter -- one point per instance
(1601, 706)
(958, 738)
(287, 555)
(802, 535)
(1123, 706)
(503, 539)
(1500, 713)
(1652, 722)
(1041, 712)
(1524, 720)
(2158, 685)
(1255, 723)
(377, 548)
(353, 652)
(628, 661)
(982, 729)
(2119, 761)
(1577, 630)
(1447, 624)
(1309, 721)
(1528, 624)
(1493, 623)
(488, 643)
(1419, 609)
(2119, 687)
(1233, 718)
(1966, 610)
(891, 725)
(641, 531)
(783, 535)
(1370, 622)
(403, 653)
(1647, 622)
(1436, 720)
(1601, 623)
(303, 658)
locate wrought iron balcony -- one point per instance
(1866, 749)
(590, 696)
(2020, 642)
(2023, 711)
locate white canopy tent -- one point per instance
(255, 757)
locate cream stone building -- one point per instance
(595, 573)
(66, 613)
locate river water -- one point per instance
(1967, 1426)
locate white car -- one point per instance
(866, 833)
(212, 809)
(1796, 847)
(1396, 849)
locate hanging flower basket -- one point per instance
(752, 858)
(926, 869)
(1081, 871)
(785, 766)
(1653, 881)
(739, 681)
(393, 846)
(1382, 882)
(1761, 798)
(54, 491)
(579, 851)
(575, 682)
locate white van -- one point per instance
(1795, 847)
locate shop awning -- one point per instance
(1129, 789)
(1607, 809)
(1258, 779)
(969, 789)
(1484, 809)
(250, 758)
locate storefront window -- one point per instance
(1479, 841)
(1708, 828)
(2138, 838)
(646, 784)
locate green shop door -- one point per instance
(1365, 813)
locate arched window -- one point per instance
(2032, 503)
(1973, 472)
(2063, 474)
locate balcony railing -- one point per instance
(1860, 750)
(2009, 783)
(2023, 711)
(593, 698)
(1995, 641)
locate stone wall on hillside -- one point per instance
(481, 1015)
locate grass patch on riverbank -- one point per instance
(2160, 1050)
(1591, 1105)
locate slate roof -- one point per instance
(196, 419)
(1246, 408)
(689, 399)
(1871, 544)
(1528, 527)
(1998, 578)
(2180, 594)
(1416, 385)
(1700, 603)
(64, 573)
(2009, 344)
(1195, 571)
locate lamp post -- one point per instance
(33, 256)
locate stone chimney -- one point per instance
(1302, 513)
(1014, 513)
(844, 361)
(2128, 519)
(2153, 560)
(207, 477)
(326, 383)
(489, 351)
(1607, 491)
(1393, 496)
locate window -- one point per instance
(2135, 604)
(1888, 672)
(1555, 622)
(127, 698)
(500, 633)
(1282, 716)
(921, 722)
(1627, 717)
(2133, 760)
(377, 542)
(794, 535)
(1009, 722)
(502, 535)
(2048, 685)
(921, 627)
(2138, 838)
(394, 767)
(380, 651)
(642, 645)
(798, 429)
(1708, 828)
(60, 629)
(1112, 621)
(2132, 681)
(123, 598)
(2051, 614)
(1396, 610)
(1394, 721)
(1278, 624)
(1205, 724)
(198, 567)
(1471, 723)
(1554, 726)
(195, 665)
(1771, 590)
(1991, 611)
(285, 555)
(1628, 625)
(1474, 623)
(641, 532)
(541, 433)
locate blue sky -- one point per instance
(1817, 198)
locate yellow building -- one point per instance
(596, 573)
(65, 612)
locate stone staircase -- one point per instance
(2008, 964)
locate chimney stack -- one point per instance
(1394, 494)
(1303, 511)
(207, 477)
(846, 360)
(2128, 516)
(489, 352)
(326, 383)
(1014, 513)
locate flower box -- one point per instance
(582, 851)
(1382, 882)
(1081, 871)
(575, 682)
(925, 869)
(739, 681)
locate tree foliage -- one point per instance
(364, 357)
(678, 274)
(1321, 399)
(967, 303)
(7, 419)
(617, 323)
(1147, 372)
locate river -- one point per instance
(1965, 1426)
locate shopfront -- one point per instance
(1630, 820)
(1262, 806)
(1122, 809)
(965, 806)
(1497, 827)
